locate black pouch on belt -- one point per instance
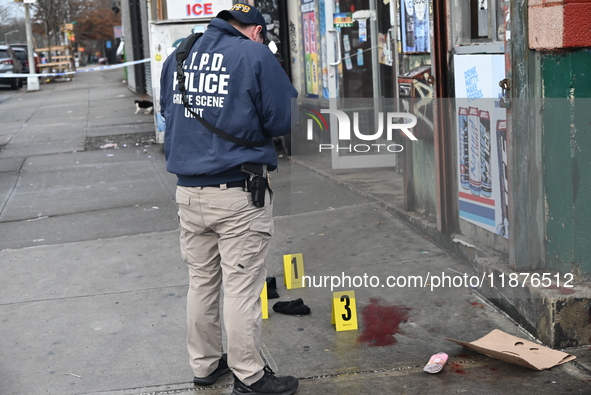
(257, 182)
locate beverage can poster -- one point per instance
(481, 148)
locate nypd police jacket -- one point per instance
(237, 86)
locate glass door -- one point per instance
(362, 47)
(357, 41)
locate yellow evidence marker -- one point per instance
(293, 269)
(344, 311)
(265, 302)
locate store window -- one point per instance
(479, 27)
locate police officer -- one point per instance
(236, 86)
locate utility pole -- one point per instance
(32, 79)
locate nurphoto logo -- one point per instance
(349, 131)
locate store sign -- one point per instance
(344, 19)
(196, 9)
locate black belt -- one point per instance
(233, 184)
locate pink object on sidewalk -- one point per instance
(436, 363)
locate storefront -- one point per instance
(369, 56)
(482, 178)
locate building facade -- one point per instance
(499, 174)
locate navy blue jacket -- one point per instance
(238, 86)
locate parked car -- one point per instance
(23, 56)
(10, 64)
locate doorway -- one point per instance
(362, 81)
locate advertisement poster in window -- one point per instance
(323, 48)
(310, 47)
(482, 142)
(414, 26)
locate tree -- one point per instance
(52, 14)
(5, 15)
(94, 20)
(11, 19)
(95, 26)
(97, 23)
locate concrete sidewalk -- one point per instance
(92, 292)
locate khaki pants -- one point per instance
(224, 240)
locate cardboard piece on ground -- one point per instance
(500, 345)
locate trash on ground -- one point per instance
(294, 307)
(110, 145)
(500, 345)
(436, 363)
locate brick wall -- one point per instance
(555, 24)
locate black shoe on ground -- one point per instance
(271, 288)
(268, 384)
(219, 371)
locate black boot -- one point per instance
(219, 371)
(268, 384)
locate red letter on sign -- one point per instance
(197, 9)
(207, 9)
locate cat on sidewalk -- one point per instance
(145, 105)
